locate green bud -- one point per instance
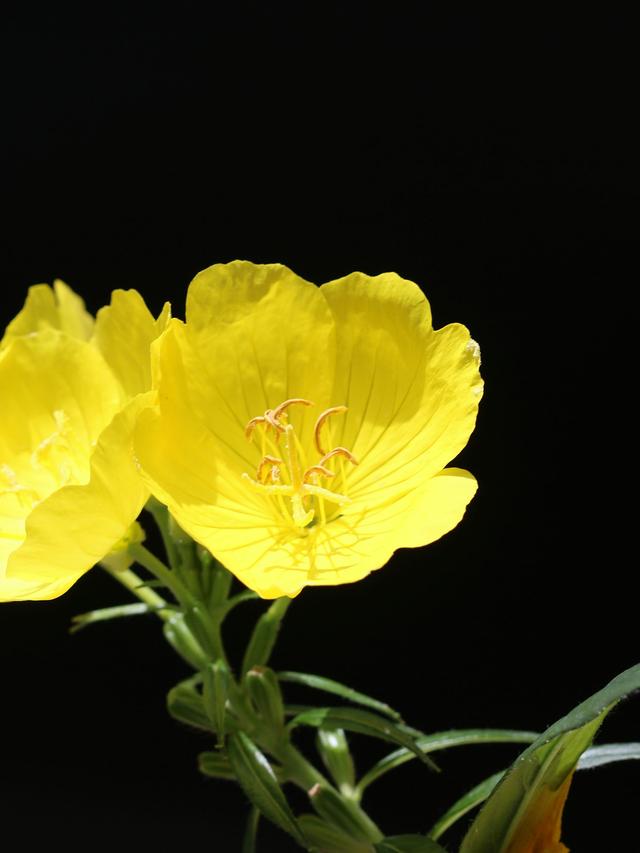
(265, 694)
(215, 678)
(334, 751)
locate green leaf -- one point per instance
(443, 740)
(249, 840)
(328, 839)
(83, 619)
(328, 686)
(184, 703)
(363, 722)
(264, 635)
(215, 764)
(531, 793)
(181, 639)
(465, 804)
(258, 781)
(334, 751)
(408, 844)
(607, 753)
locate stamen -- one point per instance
(316, 470)
(286, 477)
(272, 416)
(253, 423)
(271, 462)
(293, 401)
(339, 451)
(334, 410)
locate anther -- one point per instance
(334, 410)
(316, 470)
(253, 423)
(339, 451)
(271, 462)
(293, 401)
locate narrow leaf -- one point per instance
(264, 636)
(363, 722)
(328, 686)
(607, 753)
(443, 740)
(465, 804)
(83, 619)
(527, 803)
(258, 781)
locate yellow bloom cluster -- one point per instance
(300, 433)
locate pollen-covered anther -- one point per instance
(269, 469)
(334, 410)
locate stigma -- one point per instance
(284, 473)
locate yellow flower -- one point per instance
(301, 433)
(69, 486)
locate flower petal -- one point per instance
(56, 308)
(258, 334)
(412, 392)
(77, 525)
(124, 332)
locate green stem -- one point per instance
(162, 572)
(134, 584)
(160, 515)
(302, 773)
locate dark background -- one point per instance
(492, 161)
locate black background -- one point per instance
(489, 159)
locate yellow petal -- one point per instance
(56, 308)
(412, 392)
(77, 525)
(262, 335)
(124, 332)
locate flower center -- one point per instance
(283, 473)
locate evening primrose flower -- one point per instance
(70, 391)
(301, 433)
